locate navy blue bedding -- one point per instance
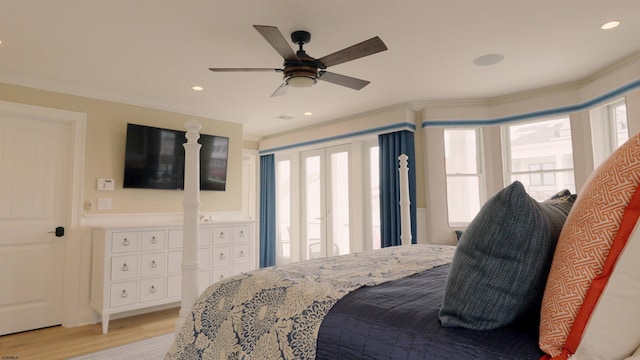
(389, 321)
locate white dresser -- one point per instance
(135, 267)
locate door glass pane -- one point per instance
(313, 207)
(374, 166)
(339, 203)
(621, 125)
(283, 203)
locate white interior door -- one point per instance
(325, 202)
(35, 160)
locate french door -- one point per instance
(325, 224)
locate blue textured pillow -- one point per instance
(502, 261)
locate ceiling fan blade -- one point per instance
(365, 48)
(277, 40)
(243, 69)
(343, 80)
(282, 90)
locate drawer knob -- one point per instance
(154, 264)
(221, 276)
(153, 289)
(241, 253)
(222, 256)
(124, 294)
(221, 236)
(125, 267)
(241, 233)
(125, 242)
(154, 240)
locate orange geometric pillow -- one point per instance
(585, 242)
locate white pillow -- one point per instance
(613, 331)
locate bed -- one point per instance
(341, 308)
(499, 294)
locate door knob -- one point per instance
(59, 231)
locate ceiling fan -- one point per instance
(301, 70)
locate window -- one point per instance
(464, 175)
(541, 178)
(618, 119)
(283, 211)
(609, 129)
(539, 154)
(374, 196)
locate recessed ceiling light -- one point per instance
(308, 113)
(197, 88)
(489, 59)
(610, 25)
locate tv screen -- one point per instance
(154, 159)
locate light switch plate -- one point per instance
(104, 203)
(106, 184)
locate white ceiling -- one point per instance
(150, 52)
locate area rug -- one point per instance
(149, 349)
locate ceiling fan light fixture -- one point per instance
(301, 81)
(610, 25)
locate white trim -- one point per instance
(138, 219)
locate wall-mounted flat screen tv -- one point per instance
(154, 159)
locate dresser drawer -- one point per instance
(174, 285)
(124, 293)
(174, 261)
(152, 264)
(151, 289)
(240, 254)
(204, 236)
(175, 239)
(220, 273)
(221, 255)
(221, 235)
(153, 240)
(204, 256)
(124, 267)
(241, 233)
(242, 268)
(124, 242)
(204, 280)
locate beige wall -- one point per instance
(105, 145)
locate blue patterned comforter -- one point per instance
(276, 312)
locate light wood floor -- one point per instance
(62, 343)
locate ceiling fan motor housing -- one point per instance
(306, 67)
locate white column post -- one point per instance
(190, 262)
(405, 213)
